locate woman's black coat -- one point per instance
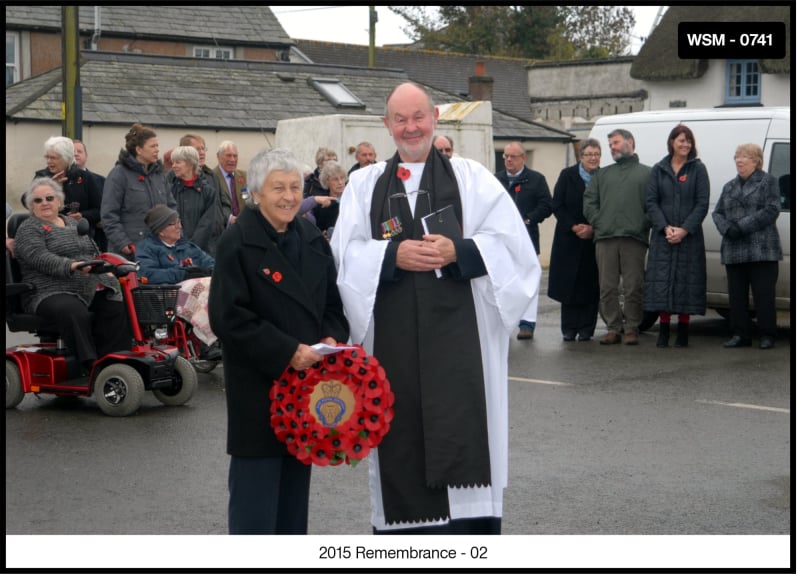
(261, 308)
(80, 188)
(573, 270)
(675, 278)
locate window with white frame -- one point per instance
(336, 93)
(213, 52)
(742, 82)
(12, 58)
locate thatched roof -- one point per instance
(658, 59)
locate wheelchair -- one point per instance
(117, 381)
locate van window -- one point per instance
(779, 166)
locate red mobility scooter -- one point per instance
(118, 380)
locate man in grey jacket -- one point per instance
(614, 204)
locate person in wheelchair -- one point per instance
(165, 257)
(87, 309)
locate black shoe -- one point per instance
(569, 336)
(584, 338)
(211, 353)
(663, 335)
(682, 340)
(766, 342)
(737, 341)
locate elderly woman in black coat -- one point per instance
(273, 295)
(573, 269)
(677, 204)
(745, 215)
(82, 194)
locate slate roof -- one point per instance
(123, 88)
(232, 25)
(443, 70)
(658, 58)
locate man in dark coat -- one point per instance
(529, 190)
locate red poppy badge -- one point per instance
(516, 189)
(277, 277)
(403, 173)
(140, 178)
(47, 228)
(682, 178)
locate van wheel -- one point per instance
(14, 392)
(648, 320)
(118, 390)
(184, 385)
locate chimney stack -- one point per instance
(481, 86)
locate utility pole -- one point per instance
(373, 19)
(70, 66)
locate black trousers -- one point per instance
(482, 525)
(761, 277)
(579, 320)
(268, 495)
(92, 332)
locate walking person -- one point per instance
(614, 205)
(443, 341)
(573, 270)
(677, 204)
(745, 216)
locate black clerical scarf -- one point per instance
(426, 337)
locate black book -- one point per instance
(442, 222)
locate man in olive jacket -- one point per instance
(614, 204)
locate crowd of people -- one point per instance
(340, 255)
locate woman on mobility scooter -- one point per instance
(165, 257)
(86, 308)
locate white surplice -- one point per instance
(493, 222)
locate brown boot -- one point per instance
(612, 338)
(631, 338)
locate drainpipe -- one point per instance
(96, 34)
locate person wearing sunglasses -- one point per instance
(443, 341)
(87, 309)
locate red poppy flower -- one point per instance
(170, 256)
(140, 178)
(518, 188)
(79, 180)
(682, 178)
(47, 228)
(403, 173)
(277, 277)
(321, 453)
(240, 180)
(358, 448)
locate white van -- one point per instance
(717, 132)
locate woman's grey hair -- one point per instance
(330, 169)
(753, 151)
(267, 161)
(589, 142)
(63, 147)
(324, 154)
(188, 154)
(27, 197)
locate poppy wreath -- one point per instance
(336, 411)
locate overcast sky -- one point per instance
(350, 24)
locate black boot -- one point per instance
(663, 335)
(682, 340)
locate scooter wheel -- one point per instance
(14, 392)
(118, 390)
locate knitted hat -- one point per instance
(159, 217)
